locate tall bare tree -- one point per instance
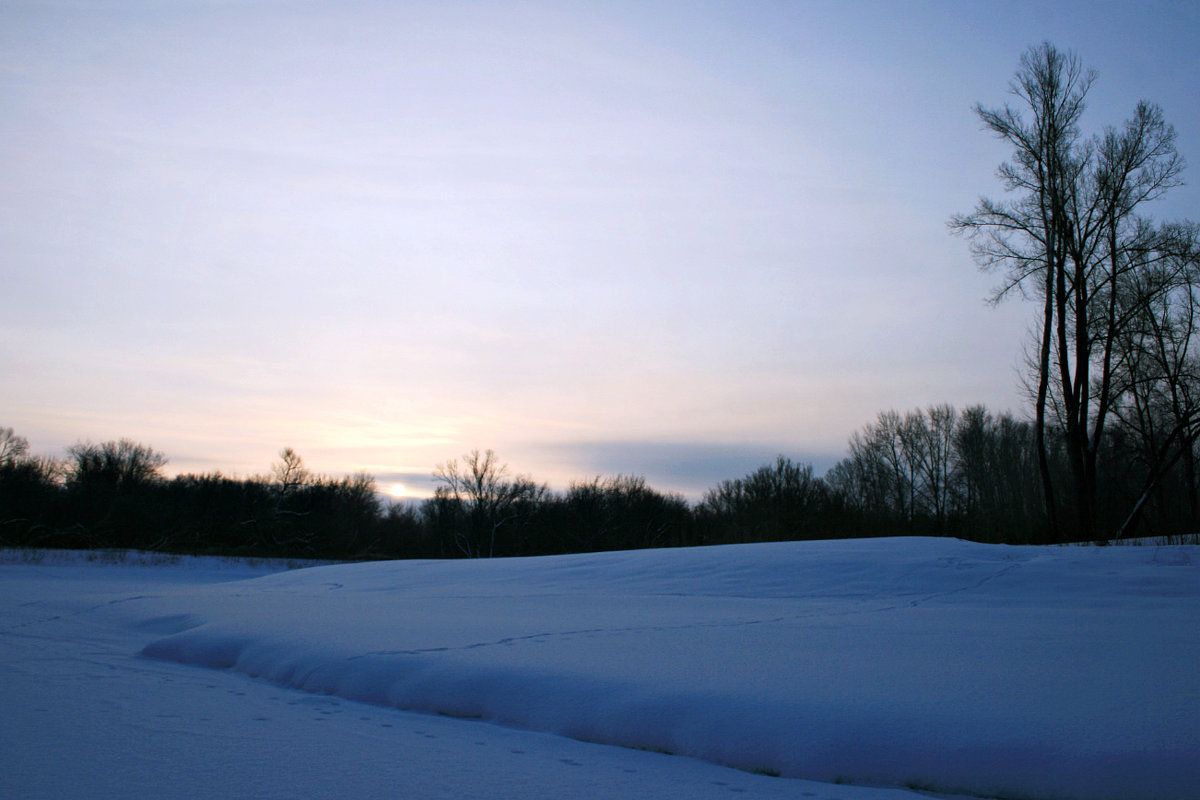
(1070, 238)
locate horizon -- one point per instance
(668, 240)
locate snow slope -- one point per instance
(945, 665)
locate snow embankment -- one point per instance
(940, 664)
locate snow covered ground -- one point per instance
(923, 665)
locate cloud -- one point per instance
(690, 468)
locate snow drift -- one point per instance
(952, 666)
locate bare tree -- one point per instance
(934, 459)
(289, 471)
(862, 478)
(1157, 372)
(877, 475)
(903, 464)
(480, 499)
(1071, 239)
(118, 464)
(780, 501)
(618, 512)
(13, 448)
(995, 475)
(894, 446)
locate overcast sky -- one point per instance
(665, 239)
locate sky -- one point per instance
(651, 238)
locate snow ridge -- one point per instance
(953, 666)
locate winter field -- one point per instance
(883, 669)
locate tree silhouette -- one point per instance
(1070, 237)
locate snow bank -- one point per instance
(953, 666)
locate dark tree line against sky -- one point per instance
(934, 471)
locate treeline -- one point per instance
(933, 471)
(113, 495)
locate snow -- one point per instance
(857, 670)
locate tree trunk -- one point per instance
(1040, 411)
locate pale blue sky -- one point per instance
(669, 239)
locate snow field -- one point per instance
(990, 671)
(957, 667)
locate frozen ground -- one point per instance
(917, 664)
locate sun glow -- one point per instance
(398, 490)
